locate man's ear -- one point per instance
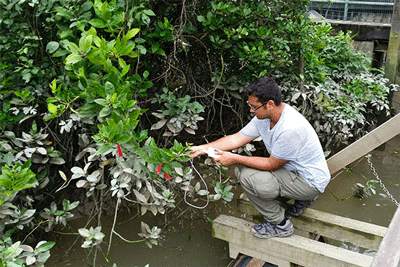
(270, 103)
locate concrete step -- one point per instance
(283, 251)
(362, 234)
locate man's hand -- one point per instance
(225, 143)
(226, 158)
(197, 151)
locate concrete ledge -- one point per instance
(340, 228)
(283, 251)
(358, 23)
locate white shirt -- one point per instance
(295, 140)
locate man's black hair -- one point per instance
(265, 89)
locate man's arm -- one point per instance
(233, 141)
(261, 163)
(225, 143)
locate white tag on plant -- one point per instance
(211, 152)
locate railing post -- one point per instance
(392, 56)
(389, 250)
(346, 8)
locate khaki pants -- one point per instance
(262, 187)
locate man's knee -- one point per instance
(247, 178)
(261, 183)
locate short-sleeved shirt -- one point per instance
(295, 140)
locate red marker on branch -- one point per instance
(158, 171)
(166, 175)
(119, 150)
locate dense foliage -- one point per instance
(104, 96)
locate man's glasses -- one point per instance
(253, 108)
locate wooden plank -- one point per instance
(235, 249)
(295, 249)
(340, 228)
(364, 145)
(389, 250)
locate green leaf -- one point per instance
(55, 154)
(83, 81)
(85, 7)
(52, 108)
(11, 250)
(125, 70)
(142, 49)
(119, 99)
(175, 164)
(131, 34)
(201, 19)
(45, 247)
(60, 53)
(27, 77)
(228, 196)
(96, 57)
(52, 47)
(227, 188)
(149, 12)
(105, 112)
(109, 88)
(123, 139)
(117, 19)
(62, 12)
(57, 161)
(23, 94)
(100, 101)
(73, 48)
(8, 158)
(159, 124)
(98, 23)
(53, 86)
(122, 63)
(145, 19)
(85, 42)
(127, 50)
(133, 55)
(73, 205)
(73, 58)
(104, 148)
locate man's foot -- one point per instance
(267, 229)
(300, 206)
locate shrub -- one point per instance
(106, 95)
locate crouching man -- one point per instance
(296, 168)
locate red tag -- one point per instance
(119, 150)
(158, 171)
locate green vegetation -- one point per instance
(103, 97)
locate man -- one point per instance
(295, 169)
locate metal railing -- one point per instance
(354, 9)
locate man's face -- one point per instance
(257, 108)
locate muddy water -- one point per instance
(188, 241)
(377, 209)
